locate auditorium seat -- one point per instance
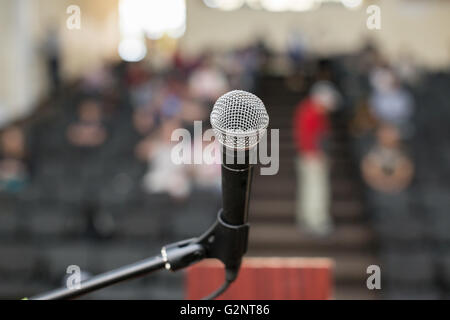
(444, 269)
(8, 217)
(411, 293)
(142, 224)
(407, 266)
(54, 221)
(196, 214)
(21, 261)
(58, 257)
(16, 289)
(157, 286)
(400, 230)
(115, 254)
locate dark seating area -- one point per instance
(86, 205)
(412, 226)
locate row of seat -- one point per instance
(412, 227)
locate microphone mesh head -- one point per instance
(239, 119)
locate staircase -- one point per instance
(272, 209)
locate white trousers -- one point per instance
(313, 195)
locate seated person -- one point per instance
(144, 120)
(364, 122)
(163, 175)
(13, 170)
(207, 82)
(391, 102)
(88, 130)
(387, 168)
(207, 174)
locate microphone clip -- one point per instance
(225, 242)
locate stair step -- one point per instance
(284, 186)
(286, 133)
(272, 209)
(287, 236)
(284, 210)
(340, 160)
(287, 149)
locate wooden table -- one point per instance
(265, 279)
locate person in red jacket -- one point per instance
(311, 129)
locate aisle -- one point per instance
(274, 232)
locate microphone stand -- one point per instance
(222, 241)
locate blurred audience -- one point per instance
(207, 82)
(364, 121)
(399, 136)
(164, 175)
(207, 175)
(13, 168)
(126, 113)
(387, 168)
(88, 129)
(389, 101)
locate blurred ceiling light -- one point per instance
(132, 50)
(254, 4)
(289, 5)
(177, 32)
(330, 1)
(352, 4)
(130, 16)
(275, 5)
(226, 5)
(278, 5)
(229, 5)
(168, 16)
(211, 3)
(304, 5)
(153, 17)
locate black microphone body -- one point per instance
(236, 187)
(231, 229)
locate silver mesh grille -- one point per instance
(239, 119)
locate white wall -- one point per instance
(16, 59)
(23, 26)
(418, 27)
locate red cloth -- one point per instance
(310, 126)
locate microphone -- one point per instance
(239, 120)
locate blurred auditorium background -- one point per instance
(89, 98)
